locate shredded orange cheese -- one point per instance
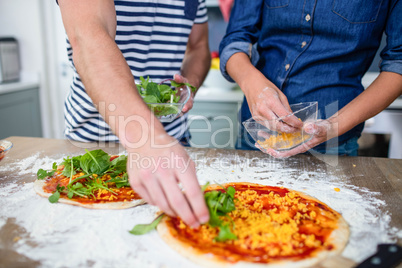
(257, 227)
(284, 140)
(279, 226)
(118, 194)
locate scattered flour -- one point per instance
(30, 165)
(60, 235)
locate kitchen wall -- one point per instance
(37, 26)
(22, 19)
(216, 26)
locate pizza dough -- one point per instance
(203, 252)
(38, 187)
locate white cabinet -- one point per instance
(213, 121)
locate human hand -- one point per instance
(322, 130)
(187, 107)
(155, 170)
(267, 105)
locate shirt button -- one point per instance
(287, 66)
(308, 18)
(303, 44)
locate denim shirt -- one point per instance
(315, 50)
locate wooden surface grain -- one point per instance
(376, 174)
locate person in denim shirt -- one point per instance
(282, 51)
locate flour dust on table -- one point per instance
(360, 207)
(100, 238)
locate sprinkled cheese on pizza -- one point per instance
(111, 194)
(270, 223)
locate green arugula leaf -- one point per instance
(92, 162)
(54, 197)
(151, 99)
(120, 181)
(175, 84)
(99, 185)
(219, 204)
(119, 165)
(84, 163)
(144, 82)
(160, 110)
(77, 185)
(225, 234)
(80, 190)
(166, 91)
(152, 90)
(95, 162)
(79, 178)
(141, 229)
(153, 93)
(139, 88)
(41, 174)
(69, 167)
(231, 191)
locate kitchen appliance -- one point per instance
(9, 60)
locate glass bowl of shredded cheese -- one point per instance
(276, 134)
(5, 147)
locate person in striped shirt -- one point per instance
(110, 45)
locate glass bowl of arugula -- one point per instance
(165, 101)
(5, 147)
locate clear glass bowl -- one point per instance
(5, 147)
(277, 135)
(167, 112)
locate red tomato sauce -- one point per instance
(121, 194)
(230, 252)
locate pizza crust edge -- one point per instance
(338, 237)
(38, 187)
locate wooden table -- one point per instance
(375, 174)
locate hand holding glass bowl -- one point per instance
(273, 134)
(166, 103)
(5, 147)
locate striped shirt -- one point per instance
(152, 35)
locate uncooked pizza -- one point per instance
(93, 180)
(255, 225)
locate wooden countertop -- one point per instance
(373, 174)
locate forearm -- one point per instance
(197, 59)
(110, 84)
(243, 73)
(378, 96)
(196, 64)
